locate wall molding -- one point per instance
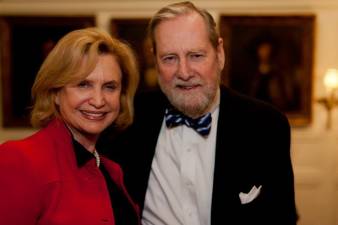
(91, 6)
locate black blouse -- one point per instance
(124, 213)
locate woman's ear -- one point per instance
(57, 98)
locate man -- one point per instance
(235, 170)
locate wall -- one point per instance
(314, 149)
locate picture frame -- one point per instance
(271, 58)
(134, 32)
(24, 43)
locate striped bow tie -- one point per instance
(202, 125)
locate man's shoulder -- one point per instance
(248, 107)
(150, 96)
(149, 101)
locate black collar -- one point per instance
(82, 155)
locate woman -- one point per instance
(56, 176)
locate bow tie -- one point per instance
(202, 125)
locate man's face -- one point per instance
(188, 65)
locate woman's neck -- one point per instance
(88, 141)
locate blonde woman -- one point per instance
(57, 176)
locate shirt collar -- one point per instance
(82, 155)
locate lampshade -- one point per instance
(331, 79)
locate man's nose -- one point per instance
(184, 70)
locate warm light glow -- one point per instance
(330, 101)
(331, 79)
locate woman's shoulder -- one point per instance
(34, 147)
(23, 150)
(37, 156)
(26, 142)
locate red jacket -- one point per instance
(41, 183)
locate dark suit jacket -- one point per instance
(253, 148)
(41, 183)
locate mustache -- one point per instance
(189, 83)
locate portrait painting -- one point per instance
(270, 58)
(134, 32)
(25, 41)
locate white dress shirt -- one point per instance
(181, 178)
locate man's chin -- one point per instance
(190, 108)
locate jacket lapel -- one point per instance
(225, 179)
(149, 114)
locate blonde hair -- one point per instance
(178, 9)
(64, 65)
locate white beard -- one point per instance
(191, 103)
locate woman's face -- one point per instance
(91, 105)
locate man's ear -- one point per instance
(220, 53)
(154, 57)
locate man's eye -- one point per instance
(168, 59)
(196, 56)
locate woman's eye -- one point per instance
(83, 84)
(111, 86)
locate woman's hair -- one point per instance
(65, 64)
(178, 9)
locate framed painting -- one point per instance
(24, 43)
(134, 32)
(271, 58)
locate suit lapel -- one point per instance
(151, 119)
(225, 182)
(149, 114)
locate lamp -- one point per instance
(330, 101)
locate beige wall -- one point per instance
(314, 149)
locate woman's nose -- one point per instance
(97, 99)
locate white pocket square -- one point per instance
(249, 197)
